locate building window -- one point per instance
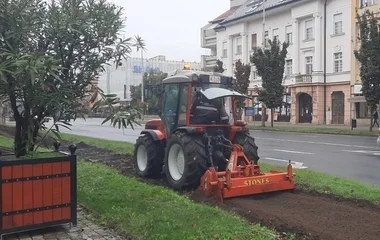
(266, 43)
(338, 24)
(253, 73)
(362, 110)
(338, 62)
(309, 29)
(276, 33)
(253, 41)
(224, 49)
(238, 46)
(289, 67)
(367, 3)
(309, 65)
(288, 33)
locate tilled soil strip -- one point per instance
(311, 216)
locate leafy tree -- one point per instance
(219, 66)
(241, 83)
(50, 51)
(152, 83)
(369, 57)
(270, 65)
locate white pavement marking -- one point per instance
(311, 142)
(289, 151)
(296, 165)
(376, 153)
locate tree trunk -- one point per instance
(371, 121)
(263, 115)
(34, 139)
(271, 116)
(20, 138)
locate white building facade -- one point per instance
(317, 71)
(130, 73)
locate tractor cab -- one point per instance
(195, 99)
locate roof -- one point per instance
(252, 7)
(224, 15)
(184, 76)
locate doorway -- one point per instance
(305, 108)
(337, 103)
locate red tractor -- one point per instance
(198, 142)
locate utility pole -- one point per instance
(263, 108)
(142, 77)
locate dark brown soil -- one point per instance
(309, 215)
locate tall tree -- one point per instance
(141, 47)
(219, 66)
(241, 83)
(270, 65)
(369, 57)
(50, 53)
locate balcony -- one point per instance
(305, 78)
(208, 36)
(208, 62)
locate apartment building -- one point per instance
(317, 73)
(209, 38)
(360, 110)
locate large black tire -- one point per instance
(152, 165)
(249, 146)
(195, 160)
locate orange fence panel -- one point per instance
(37, 193)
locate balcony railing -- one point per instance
(305, 78)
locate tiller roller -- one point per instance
(242, 177)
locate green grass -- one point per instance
(116, 146)
(6, 142)
(41, 153)
(324, 130)
(329, 184)
(144, 211)
(152, 212)
(305, 179)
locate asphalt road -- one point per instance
(354, 157)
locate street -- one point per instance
(354, 157)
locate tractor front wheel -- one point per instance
(148, 157)
(248, 143)
(185, 161)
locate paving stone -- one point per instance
(85, 230)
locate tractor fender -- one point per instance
(157, 135)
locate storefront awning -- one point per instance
(357, 99)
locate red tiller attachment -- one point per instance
(243, 178)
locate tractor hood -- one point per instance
(213, 93)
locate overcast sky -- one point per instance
(171, 27)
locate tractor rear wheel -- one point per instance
(148, 156)
(185, 161)
(248, 143)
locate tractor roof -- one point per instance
(186, 76)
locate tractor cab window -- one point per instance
(183, 105)
(205, 111)
(169, 112)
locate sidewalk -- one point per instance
(308, 125)
(289, 125)
(85, 229)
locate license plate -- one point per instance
(215, 79)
